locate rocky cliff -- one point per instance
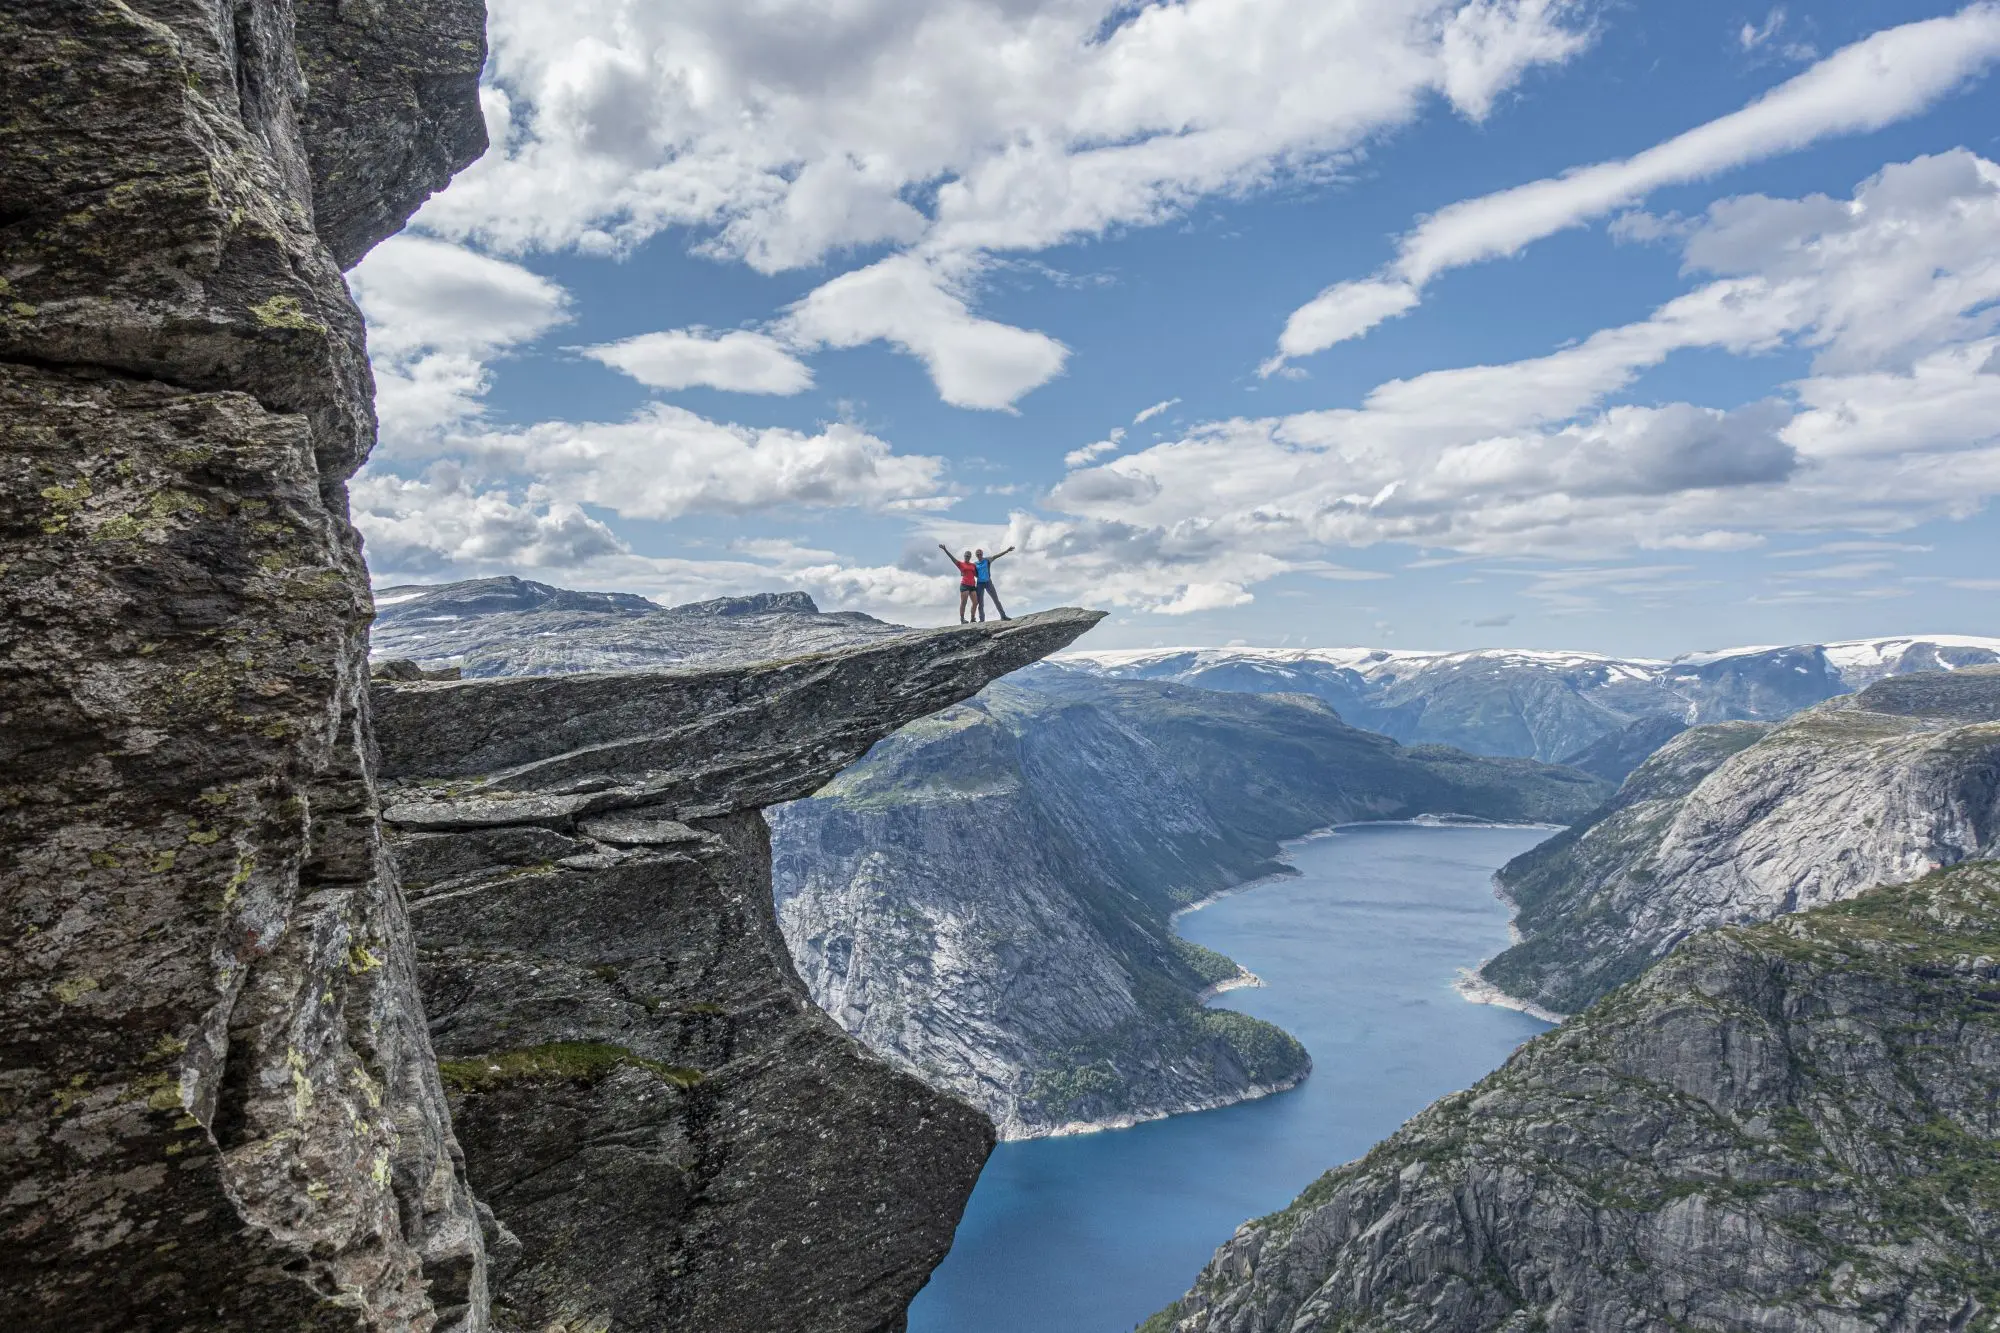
(221, 1109)
(1547, 705)
(1788, 1127)
(987, 898)
(671, 1134)
(1741, 822)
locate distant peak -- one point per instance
(756, 604)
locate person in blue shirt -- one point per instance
(982, 565)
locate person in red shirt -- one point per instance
(968, 584)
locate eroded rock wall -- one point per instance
(218, 1105)
(671, 1133)
(1787, 1127)
(1741, 822)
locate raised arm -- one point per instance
(997, 554)
(947, 553)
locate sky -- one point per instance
(1434, 324)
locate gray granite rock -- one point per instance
(1788, 1127)
(1741, 822)
(649, 1101)
(218, 1105)
(391, 110)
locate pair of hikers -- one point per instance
(975, 583)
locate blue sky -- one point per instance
(1421, 323)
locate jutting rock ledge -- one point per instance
(648, 1098)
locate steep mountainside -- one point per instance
(1543, 704)
(214, 1119)
(986, 898)
(1789, 1127)
(1741, 822)
(669, 1132)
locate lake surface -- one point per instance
(1093, 1233)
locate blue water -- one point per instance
(1093, 1233)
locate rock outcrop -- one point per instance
(987, 898)
(1741, 822)
(671, 1133)
(517, 627)
(221, 1111)
(1788, 1127)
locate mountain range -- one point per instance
(1776, 1108)
(1555, 706)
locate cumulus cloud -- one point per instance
(796, 131)
(437, 313)
(919, 308)
(666, 462)
(738, 362)
(1895, 293)
(440, 522)
(946, 130)
(1884, 78)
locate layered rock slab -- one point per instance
(1741, 822)
(676, 1136)
(218, 1105)
(1788, 1127)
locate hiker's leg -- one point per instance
(963, 594)
(979, 603)
(994, 593)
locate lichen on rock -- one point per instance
(221, 1110)
(1786, 1127)
(648, 1098)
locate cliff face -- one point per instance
(1740, 822)
(671, 1133)
(986, 899)
(220, 1106)
(1788, 1127)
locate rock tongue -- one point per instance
(647, 1096)
(744, 736)
(221, 1108)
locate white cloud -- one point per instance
(738, 361)
(440, 523)
(1078, 457)
(1895, 292)
(1148, 413)
(436, 314)
(1754, 35)
(1884, 78)
(798, 130)
(918, 307)
(783, 135)
(1203, 596)
(665, 462)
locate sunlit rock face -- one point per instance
(221, 1109)
(1787, 1126)
(671, 1134)
(1741, 822)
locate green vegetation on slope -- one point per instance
(1119, 802)
(1801, 1112)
